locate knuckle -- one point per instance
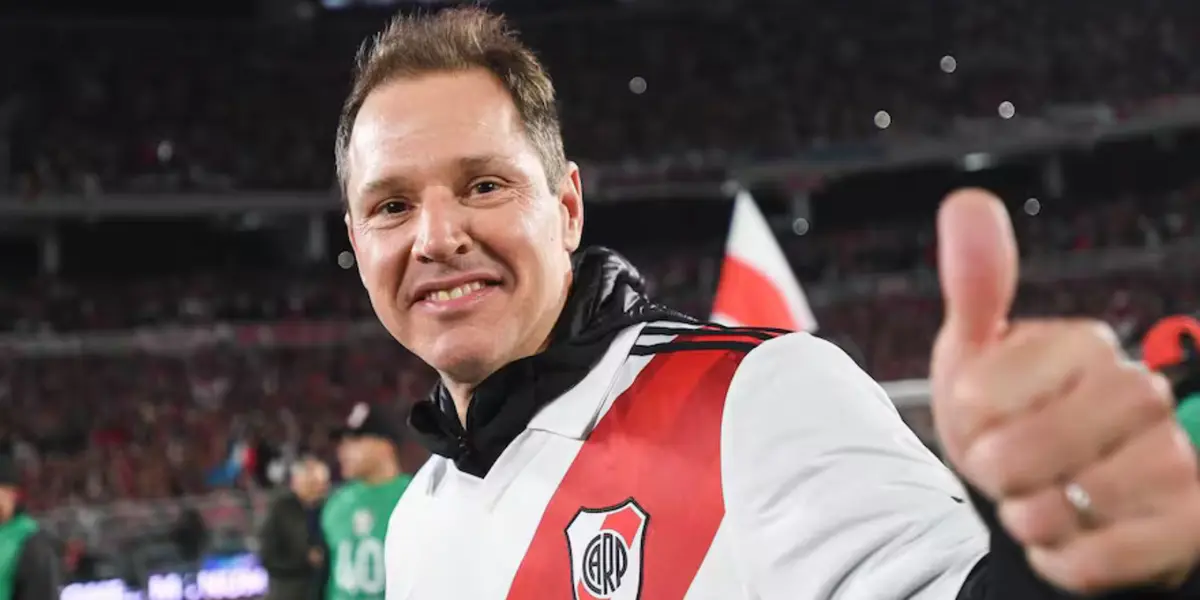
(1067, 570)
(1095, 339)
(1161, 387)
(971, 386)
(1032, 521)
(1178, 461)
(988, 461)
(1089, 572)
(964, 389)
(1103, 334)
(1089, 580)
(1148, 393)
(1015, 517)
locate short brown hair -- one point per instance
(458, 39)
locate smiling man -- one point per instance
(464, 260)
(591, 444)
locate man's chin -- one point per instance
(469, 361)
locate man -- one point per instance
(590, 444)
(30, 568)
(191, 536)
(287, 548)
(355, 518)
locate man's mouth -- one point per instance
(456, 292)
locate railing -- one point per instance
(183, 340)
(231, 518)
(1064, 267)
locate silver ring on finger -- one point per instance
(1081, 501)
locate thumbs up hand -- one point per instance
(1077, 446)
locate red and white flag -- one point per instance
(757, 286)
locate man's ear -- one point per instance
(570, 198)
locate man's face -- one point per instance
(358, 455)
(462, 247)
(312, 481)
(8, 502)
(351, 459)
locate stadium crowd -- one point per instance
(102, 428)
(128, 107)
(678, 274)
(208, 106)
(98, 427)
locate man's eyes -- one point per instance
(399, 207)
(485, 187)
(393, 207)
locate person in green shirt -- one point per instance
(30, 568)
(355, 518)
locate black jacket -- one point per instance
(284, 544)
(608, 295)
(39, 569)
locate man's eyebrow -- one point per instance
(391, 183)
(382, 184)
(482, 161)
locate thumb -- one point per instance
(977, 265)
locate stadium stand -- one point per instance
(126, 390)
(208, 106)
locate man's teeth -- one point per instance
(457, 292)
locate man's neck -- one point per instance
(382, 474)
(460, 393)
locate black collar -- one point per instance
(607, 295)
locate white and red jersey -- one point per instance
(696, 464)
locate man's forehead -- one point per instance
(428, 122)
(386, 145)
(470, 105)
(373, 130)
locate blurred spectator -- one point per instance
(287, 548)
(191, 536)
(31, 567)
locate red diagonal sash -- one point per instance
(659, 444)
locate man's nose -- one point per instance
(441, 229)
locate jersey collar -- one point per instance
(574, 413)
(607, 297)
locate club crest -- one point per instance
(606, 551)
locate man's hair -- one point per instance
(452, 40)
